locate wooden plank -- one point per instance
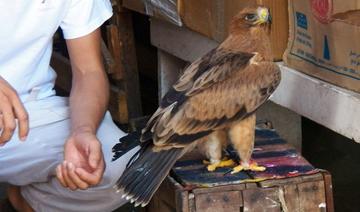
(167, 193)
(291, 198)
(230, 201)
(169, 197)
(109, 62)
(117, 72)
(312, 196)
(328, 192)
(251, 185)
(126, 37)
(292, 180)
(118, 105)
(237, 187)
(182, 201)
(265, 199)
(191, 200)
(154, 204)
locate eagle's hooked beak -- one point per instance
(264, 16)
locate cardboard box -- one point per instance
(212, 17)
(324, 40)
(135, 5)
(164, 9)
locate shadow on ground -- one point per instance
(341, 157)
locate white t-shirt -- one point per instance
(26, 31)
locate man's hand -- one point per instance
(83, 164)
(11, 108)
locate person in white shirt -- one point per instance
(56, 152)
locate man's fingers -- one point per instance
(22, 117)
(95, 155)
(65, 172)
(8, 122)
(78, 182)
(91, 178)
(60, 177)
(11, 109)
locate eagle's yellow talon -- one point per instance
(237, 169)
(211, 167)
(223, 163)
(252, 167)
(255, 167)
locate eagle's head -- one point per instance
(250, 32)
(250, 19)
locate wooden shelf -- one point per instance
(331, 106)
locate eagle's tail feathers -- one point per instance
(144, 176)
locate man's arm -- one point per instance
(83, 160)
(90, 90)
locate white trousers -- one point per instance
(31, 164)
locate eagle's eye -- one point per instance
(250, 17)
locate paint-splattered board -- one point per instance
(280, 159)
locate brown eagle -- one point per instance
(216, 97)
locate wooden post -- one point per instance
(123, 20)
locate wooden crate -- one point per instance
(289, 183)
(304, 193)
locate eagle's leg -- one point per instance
(212, 147)
(242, 136)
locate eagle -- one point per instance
(213, 101)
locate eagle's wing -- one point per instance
(215, 66)
(213, 92)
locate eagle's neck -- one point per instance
(255, 41)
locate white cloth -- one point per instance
(31, 164)
(26, 31)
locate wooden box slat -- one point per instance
(296, 194)
(261, 200)
(219, 201)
